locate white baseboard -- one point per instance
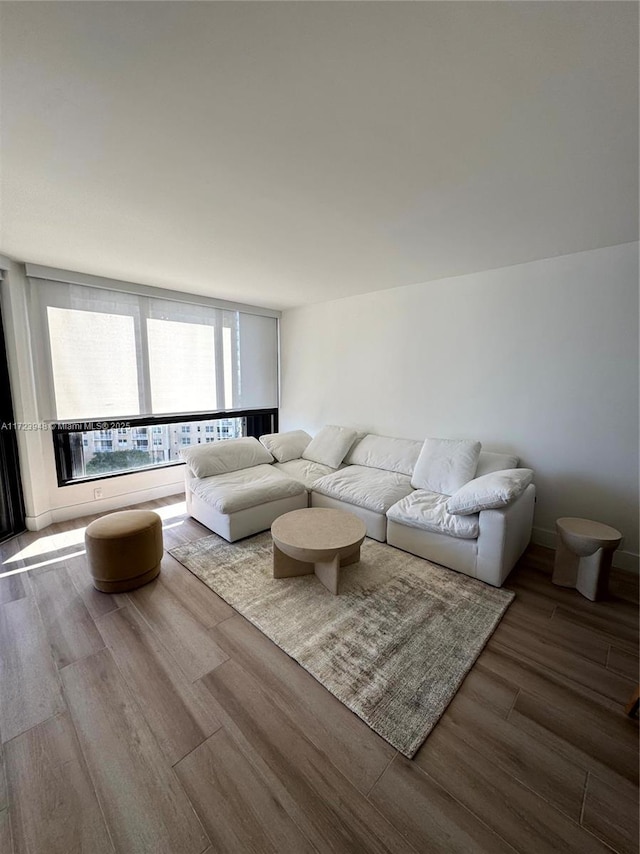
(37, 523)
(105, 505)
(628, 561)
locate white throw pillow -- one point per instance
(444, 465)
(330, 446)
(224, 456)
(490, 491)
(286, 446)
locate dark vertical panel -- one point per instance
(11, 502)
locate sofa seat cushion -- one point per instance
(373, 489)
(428, 510)
(240, 490)
(306, 471)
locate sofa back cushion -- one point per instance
(225, 456)
(286, 446)
(444, 465)
(383, 452)
(330, 445)
(489, 461)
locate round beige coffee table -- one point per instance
(316, 540)
(583, 555)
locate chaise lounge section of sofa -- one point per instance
(233, 489)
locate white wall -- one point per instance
(45, 501)
(540, 359)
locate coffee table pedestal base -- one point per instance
(326, 571)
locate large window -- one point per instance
(159, 363)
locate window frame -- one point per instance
(258, 422)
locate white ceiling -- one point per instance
(287, 153)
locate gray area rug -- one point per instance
(394, 646)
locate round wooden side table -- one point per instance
(316, 540)
(583, 556)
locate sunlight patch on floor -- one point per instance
(63, 540)
(31, 566)
(171, 510)
(66, 539)
(45, 545)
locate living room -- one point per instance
(435, 205)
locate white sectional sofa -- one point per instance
(443, 500)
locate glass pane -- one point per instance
(182, 366)
(93, 358)
(258, 354)
(109, 451)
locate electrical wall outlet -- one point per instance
(97, 492)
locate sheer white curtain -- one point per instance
(103, 354)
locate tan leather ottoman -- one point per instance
(124, 550)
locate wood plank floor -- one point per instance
(162, 721)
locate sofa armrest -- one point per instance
(504, 535)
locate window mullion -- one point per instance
(219, 360)
(235, 360)
(142, 351)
